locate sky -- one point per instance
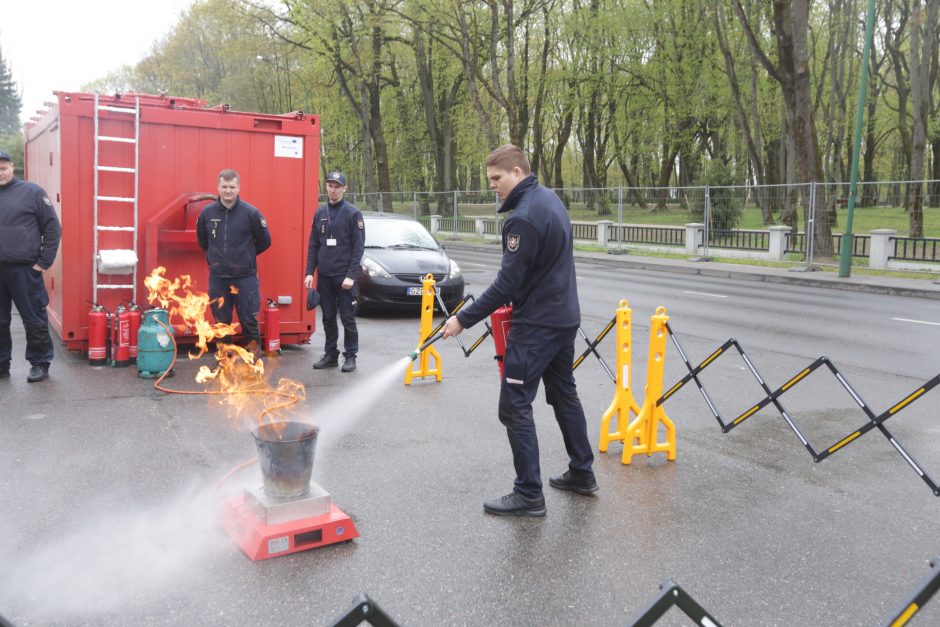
(58, 45)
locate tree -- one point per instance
(10, 102)
(923, 49)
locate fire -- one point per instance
(240, 377)
(188, 306)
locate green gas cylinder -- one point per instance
(155, 348)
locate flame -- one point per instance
(240, 377)
(189, 306)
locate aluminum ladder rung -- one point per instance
(114, 168)
(117, 199)
(115, 287)
(115, 228)
(124, 140)
(116, 109)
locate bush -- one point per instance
(725, 207)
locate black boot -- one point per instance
(39, 372)
(327, 361)
(514, 504)
(568, 481)
(349, 364)
(4, 369)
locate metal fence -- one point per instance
(732, 220)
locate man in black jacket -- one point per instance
(29, 239)
(233, 233)
(537, 277)
(337, 240)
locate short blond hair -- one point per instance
(229, 174)
(507, 157)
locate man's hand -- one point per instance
(347, 283)
(308, 281)
(452, 327)
(37, 267)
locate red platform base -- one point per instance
(260, 541)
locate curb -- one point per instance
(914, 288)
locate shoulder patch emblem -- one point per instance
(264, 223)
(512, 242)
(46, 200)
(361, 224)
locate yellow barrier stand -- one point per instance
(643, 432)
(623, 403)
(427, 321)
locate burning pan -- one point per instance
(285, 454)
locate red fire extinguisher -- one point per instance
(133, 314)
(98, 319)
(272, 329)
(121, 338)
(501, 319)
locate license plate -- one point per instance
(418, 291)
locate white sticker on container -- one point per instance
(287, 146)
(278, 545)
(163, 339)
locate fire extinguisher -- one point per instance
(98, 319)
(501, 319)
(120, 338)
(272, 329)
(133, 315)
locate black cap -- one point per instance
(313, 299)
(5, 156)
(337, 177)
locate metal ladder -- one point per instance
(99, 169)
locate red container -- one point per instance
(501, 322)
(182, 146)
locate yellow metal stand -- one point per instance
(427, 320)
(643, 432)
(623, 403)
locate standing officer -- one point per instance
(337, 240)
(537, 276)
(29, 240)
(233, 233)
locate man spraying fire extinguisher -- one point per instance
(233, 233)
(537, 276)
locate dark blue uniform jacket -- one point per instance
(29, 228)
(233, 238)
(341, 222)
(537, 272)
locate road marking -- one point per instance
(705, 294)
(935, 324)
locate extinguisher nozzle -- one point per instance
(427, 342)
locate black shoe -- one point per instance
(38, 373)
(327, 361)
(514, 504)
(568, 481)
(349, 364)
(4, 369)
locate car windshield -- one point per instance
(392, 233)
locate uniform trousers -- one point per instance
(535, 354)
(333, 299)
(246, 302)
(22, 286)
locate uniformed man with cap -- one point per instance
(233, 233)
(29, 240)
(537, 276)
(337, 240)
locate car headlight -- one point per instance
(454, 270)
(372, 268)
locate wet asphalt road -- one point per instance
(110, 488)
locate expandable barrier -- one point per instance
(427, 316)
(592, 348)
(623, 404)
(671, 594)
(364, 609)
(773, 397)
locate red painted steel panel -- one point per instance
(182, 148)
